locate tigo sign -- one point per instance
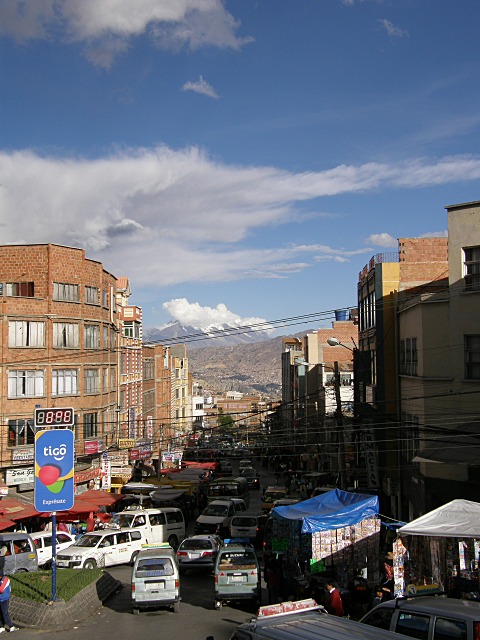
(54, 470)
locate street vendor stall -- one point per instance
(440, 550)
(337, 530)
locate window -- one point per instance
(92, 295)
(472, 357)
(409, 357)
(24, 333)
(92, 336)
(64, 382)
(105, 299)
(20, 432)
(19, 289)
(91, 381)
(90, 425)
(65, 335)
(413, 625)
(148, 369)
(411, 440)
(131, 329)
(471, 268)
(65, 292)
(25, 383)
(105, 379)
(449, 630)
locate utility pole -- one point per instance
(340, 433)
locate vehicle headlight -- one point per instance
(76, 558)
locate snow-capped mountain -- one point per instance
(212, 336)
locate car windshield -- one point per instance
(193, 545)
(123, 519)
(216, 510)
(244, 522)
(88, 541)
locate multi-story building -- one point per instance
(439, 374)
(180, 405)
(419, 266)
(58, 349)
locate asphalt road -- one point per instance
(196, 620)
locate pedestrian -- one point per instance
(334, 604)
(273, 579)
(5, 593)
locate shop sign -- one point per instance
(21, 456)
(118, 458)
(120, 471)
(126, 443)
(92, 447)
(139, 454)
(150, 427)
(89, 474)
(20, 476)
(106, 473)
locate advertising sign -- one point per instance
(106, 473)
(91, 447)
(20, 476)
(54, 469)
(21, 456)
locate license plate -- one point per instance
(154, 586)
(236, 579)
(62, 563)
(194, 556)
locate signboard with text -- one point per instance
(54, 470)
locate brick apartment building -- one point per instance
(58, 349)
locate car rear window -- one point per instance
(196, 544)
(238, 559)
(413, 625)
(242, 521)
(154, 566)
(450, 630)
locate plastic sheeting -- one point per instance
(332, 510)
(456, 519)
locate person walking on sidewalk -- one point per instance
(5, 593)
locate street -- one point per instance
(196, 620)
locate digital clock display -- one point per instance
(54, 417)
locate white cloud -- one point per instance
(382, 240)
(107, 27)
(392, 30)
(185, 217)
(195, 315)
(201, 86)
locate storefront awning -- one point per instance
(456, 519)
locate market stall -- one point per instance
(338, 529)
(440, 550)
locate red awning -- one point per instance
(5, 523)
(16, 510)
(99, 497)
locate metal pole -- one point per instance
(54, 556)
(340, 433)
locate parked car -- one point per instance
(215, 518)
(163, 524)
(252, 477)
(102, 549)
(239, 504)
(198, 552)
(156, 579)
(17, 553)
(428, 618)
(245, 462)
(43, 544)
(249, 526)
(270, 495)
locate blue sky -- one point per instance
(237, 160)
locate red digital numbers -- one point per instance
(54, 417)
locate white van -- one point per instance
(102, 549)
(156, 579)
(43, 543)
(164, 524)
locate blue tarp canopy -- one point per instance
(332, 510)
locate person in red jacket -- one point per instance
(334, 604)
(5, 592)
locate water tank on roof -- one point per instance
(341, 315)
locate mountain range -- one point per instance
(228, 358)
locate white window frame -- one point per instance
(65, 292)
(471, 268)
(26, 383)
(91, 381)
(65, 335)
(92, 295)
(64, 382)
(26, 333)
(91, 336)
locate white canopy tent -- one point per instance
(456, 519)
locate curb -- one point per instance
(61, 615)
